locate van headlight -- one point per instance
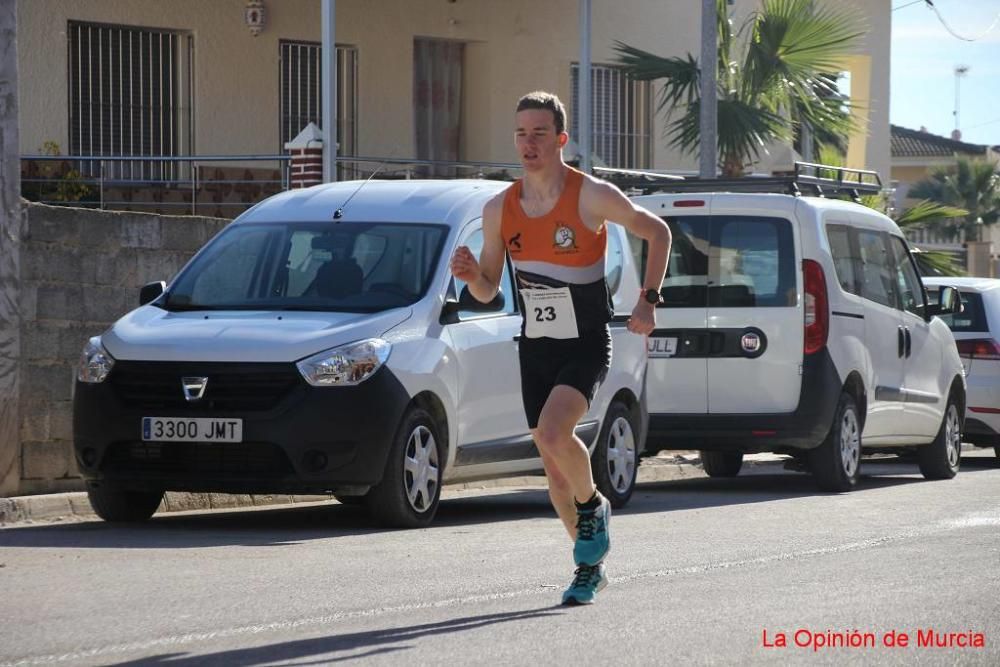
(95, 362)
(345, 365)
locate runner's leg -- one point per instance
(559, 446)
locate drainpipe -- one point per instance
(328, 66)
(583, 100)
(708, 121)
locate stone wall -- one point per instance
(81, 270)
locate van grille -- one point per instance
(230, 387)
(198, 459)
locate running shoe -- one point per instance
(587, 581)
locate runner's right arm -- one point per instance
(483, 277)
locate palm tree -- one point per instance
(971, 184)
(777, 71)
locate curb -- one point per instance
(74, 505)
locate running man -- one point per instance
(552, 224)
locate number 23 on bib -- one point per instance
(549, 313)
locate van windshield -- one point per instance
(353, 267)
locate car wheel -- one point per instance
(942, 458)
(836, 462)
(615, 460)
(114, 504)
(721, 464)
(410, 490)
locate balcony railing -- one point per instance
(212, 185)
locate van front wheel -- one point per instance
(941, 458)
(615, 461)
(836, 462)
(410, 490)
(114, 504)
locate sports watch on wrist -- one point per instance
(652, 296)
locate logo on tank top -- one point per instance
(514, 244)
(564, 238)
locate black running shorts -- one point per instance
(581, 363)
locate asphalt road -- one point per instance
(701, 569)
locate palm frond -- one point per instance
(793, 41)
(743, 130)
(680, 74)
(926, 212)
(937, 263)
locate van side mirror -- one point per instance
(468, 303)
(949, 302)
(151, 291)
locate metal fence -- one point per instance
(211, 185)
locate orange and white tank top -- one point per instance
(557, 245)
(557, 251)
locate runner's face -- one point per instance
(536, 140)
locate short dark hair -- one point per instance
(540, 99)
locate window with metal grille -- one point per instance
(302, 88)
(621, 117)
(129, 95)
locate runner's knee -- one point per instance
(552, 438)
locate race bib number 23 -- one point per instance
(549, 313)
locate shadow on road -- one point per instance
(323, 650)
(286, 525)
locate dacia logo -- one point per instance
(515, 242)
(194, 388)
(564, 237)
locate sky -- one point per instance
(924, 58)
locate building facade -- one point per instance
(416, 78)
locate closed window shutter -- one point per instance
(621, 117)
(126, 93)
(301, 88)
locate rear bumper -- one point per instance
(315, 440)
(805, 428)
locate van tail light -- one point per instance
(817, 311)
(979, 348)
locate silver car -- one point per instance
(977, 335)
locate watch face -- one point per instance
(652, 296)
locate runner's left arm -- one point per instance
(605, 201)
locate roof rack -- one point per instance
(807, 178)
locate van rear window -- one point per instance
(729, 262)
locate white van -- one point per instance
(798, 325)
(320, 344)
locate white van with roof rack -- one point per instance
(797, 324)
(319, 346)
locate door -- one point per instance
(924, 398)
(489, 409)
(437, 101)
(884, 334)
(755, 322)
(676, 372)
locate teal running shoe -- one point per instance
(593, 535)
(587, 582)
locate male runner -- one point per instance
(552, 223)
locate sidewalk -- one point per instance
(75, 506)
